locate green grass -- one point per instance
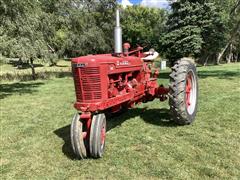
(141, 144)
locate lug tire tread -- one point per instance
(177, 92)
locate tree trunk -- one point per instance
(219, 58)
(51, 58)
(206, 61)
(19, 63)
(220, 55)
(234, 32)
(234, 9)
(52, 63)
(203, 58)
(33, 69)
(230, 56)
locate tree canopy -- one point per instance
(195, 28)
(35, 28)
(144, 26)
(208, 30)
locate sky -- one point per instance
(148, 3)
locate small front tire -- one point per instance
(97, 135)
(76, 134)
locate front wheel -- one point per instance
(77, 137)
(183, 92)
(97, 135)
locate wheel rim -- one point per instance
(103, 135)
(191, 92)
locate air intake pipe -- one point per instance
(117, 35)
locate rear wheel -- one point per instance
(76, 135)
(97, 135)
(183, 92)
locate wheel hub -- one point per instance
(188, 90)
(191, 92)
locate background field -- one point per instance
(141, 144)
(10, 72)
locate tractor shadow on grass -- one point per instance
(158, 117)
(64, 134)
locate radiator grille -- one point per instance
(88, 83)
(78, 90)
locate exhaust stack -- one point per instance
(117, 35)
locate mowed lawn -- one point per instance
(141, 144)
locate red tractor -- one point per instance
(111, 82)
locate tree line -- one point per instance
(208, 30)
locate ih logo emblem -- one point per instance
(122, 63)
(79, 65)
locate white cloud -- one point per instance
(126, 3)
(155, 3)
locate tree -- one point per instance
(143, 26)
(231, 11)
(48, 29)
(20, 31)
(184, 35)
(195, 28)
(87, 29)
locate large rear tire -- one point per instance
(183, 92)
